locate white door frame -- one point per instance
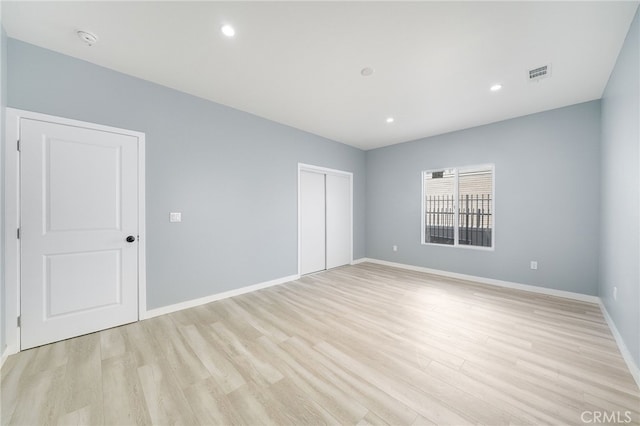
(311, 168)
(12, 217)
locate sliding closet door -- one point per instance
(338, 220)
(312, 222)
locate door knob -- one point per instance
(131, 239)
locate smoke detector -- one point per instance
(539, 73)
(88, 37)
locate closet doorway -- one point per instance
(325, 218)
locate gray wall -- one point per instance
(547, 193)
(3, 103)
(620, 233)
(231, 174)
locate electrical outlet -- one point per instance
(534, 264)
(175, 217)
(395, 248)
(615, 293)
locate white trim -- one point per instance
(626, 354)
(298, 217)
(12, 215)
(142, 228)
(490, 281)
(12, 244)
(320, 169)
(361, 260)
(5, 355)
(326, 170)
(219, 296)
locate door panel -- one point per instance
(338, 208)
(312, 222)
(65, 204)
(67, 296)
(79, 198)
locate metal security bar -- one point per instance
(475, 219)
(439, 219)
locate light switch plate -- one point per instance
(175, 217)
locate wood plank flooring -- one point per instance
(357, 345)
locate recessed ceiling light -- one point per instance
(228, 30)
(390, 120)
(496, 87)
(366, 72)
(88, 37)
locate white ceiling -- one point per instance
(299, 63)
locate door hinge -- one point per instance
(19, 322)
(18, 145)
(18, 233)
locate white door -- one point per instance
(338, 220)
(312, 222)
(79, 205)
(325, 219)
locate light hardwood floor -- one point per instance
(364, 344)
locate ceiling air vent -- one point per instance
(540, 73)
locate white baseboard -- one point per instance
(628, 358)
(8, 350)
(361, 260)
(4, 356)
(212, 298)
(490, 281)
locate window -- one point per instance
(458, 207)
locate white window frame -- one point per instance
(455, 207)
